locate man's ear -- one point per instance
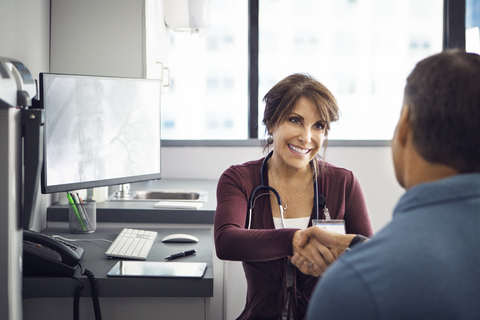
(400, 145)
(402, 131)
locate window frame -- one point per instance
(453, 37)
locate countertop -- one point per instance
(142, 211)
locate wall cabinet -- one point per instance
(125, 38)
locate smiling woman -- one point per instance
(298, 113)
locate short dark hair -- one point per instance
(281, 99)
(443, 97)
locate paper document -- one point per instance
(178, 205)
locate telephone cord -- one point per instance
(76, 300)
(94, 290)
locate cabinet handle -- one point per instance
(168, 83)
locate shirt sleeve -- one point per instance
(341, 293)
(232, 240)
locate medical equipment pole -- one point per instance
(10, 209)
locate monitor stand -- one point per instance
(123, 191)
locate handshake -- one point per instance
(315, 248)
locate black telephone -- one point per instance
(45, 255)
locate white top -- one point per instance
(298, 223)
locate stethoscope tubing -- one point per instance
(252, 199)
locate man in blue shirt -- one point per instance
(425, 264)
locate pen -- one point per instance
(180, 254)
(70, 199)
(81, 210)
(81, 204)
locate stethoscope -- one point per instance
(251, 201)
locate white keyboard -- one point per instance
(132, 244)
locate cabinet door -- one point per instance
(98, 37)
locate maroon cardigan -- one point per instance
(263, 249)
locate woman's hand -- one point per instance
(320, 238)
(310, 256)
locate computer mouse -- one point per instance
(179, 237)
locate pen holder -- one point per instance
(82, 217)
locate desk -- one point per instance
(135, 298)
(94, 260)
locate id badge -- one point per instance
(334, 225)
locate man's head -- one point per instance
(442, 109)
(443, 95)
(440, 119)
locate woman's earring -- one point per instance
(270, 139)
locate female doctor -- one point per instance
(263, 205)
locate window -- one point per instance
(362, 50)
(208, 94)
(472, 23)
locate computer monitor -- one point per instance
(99, 131)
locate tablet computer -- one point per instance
(158, 269)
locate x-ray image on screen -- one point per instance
(100, 129)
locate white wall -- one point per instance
(25, 28)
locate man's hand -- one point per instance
(337, 242)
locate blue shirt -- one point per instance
(425, 264)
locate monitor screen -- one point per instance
(99, 131)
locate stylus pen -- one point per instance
(180, 254)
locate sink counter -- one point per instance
(142, 211)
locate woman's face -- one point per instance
(299, 138)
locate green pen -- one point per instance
(70, 199)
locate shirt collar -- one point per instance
(443, 190)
